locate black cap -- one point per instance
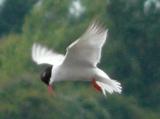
(46, 75)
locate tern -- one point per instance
(79, 62)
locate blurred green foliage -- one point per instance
(12, 14)
(131, 55)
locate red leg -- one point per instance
(95, 85)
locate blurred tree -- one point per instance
(130, 54)
(138, 57)
(12, 15)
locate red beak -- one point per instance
(49, 88)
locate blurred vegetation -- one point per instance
(12, 14)
(131, 55)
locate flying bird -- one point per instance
(79, 62)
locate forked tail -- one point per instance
(105, 83)
(111, 87)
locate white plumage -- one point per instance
(80, 61)
(42, 55)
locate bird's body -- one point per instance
(79, 63)
(63, 72)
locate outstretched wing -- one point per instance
(42, 55)
(87, 49)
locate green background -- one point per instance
(130, 55)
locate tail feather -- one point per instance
(106, 83)
(111, 86)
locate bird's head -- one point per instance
(45, 77)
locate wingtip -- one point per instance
(34, 52)
(96, 26)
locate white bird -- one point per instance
(79, 63)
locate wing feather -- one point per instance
(42, 55)
(87, 49)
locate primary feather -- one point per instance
(87, 49)
(42, 55)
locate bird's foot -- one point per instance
(95, 85)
